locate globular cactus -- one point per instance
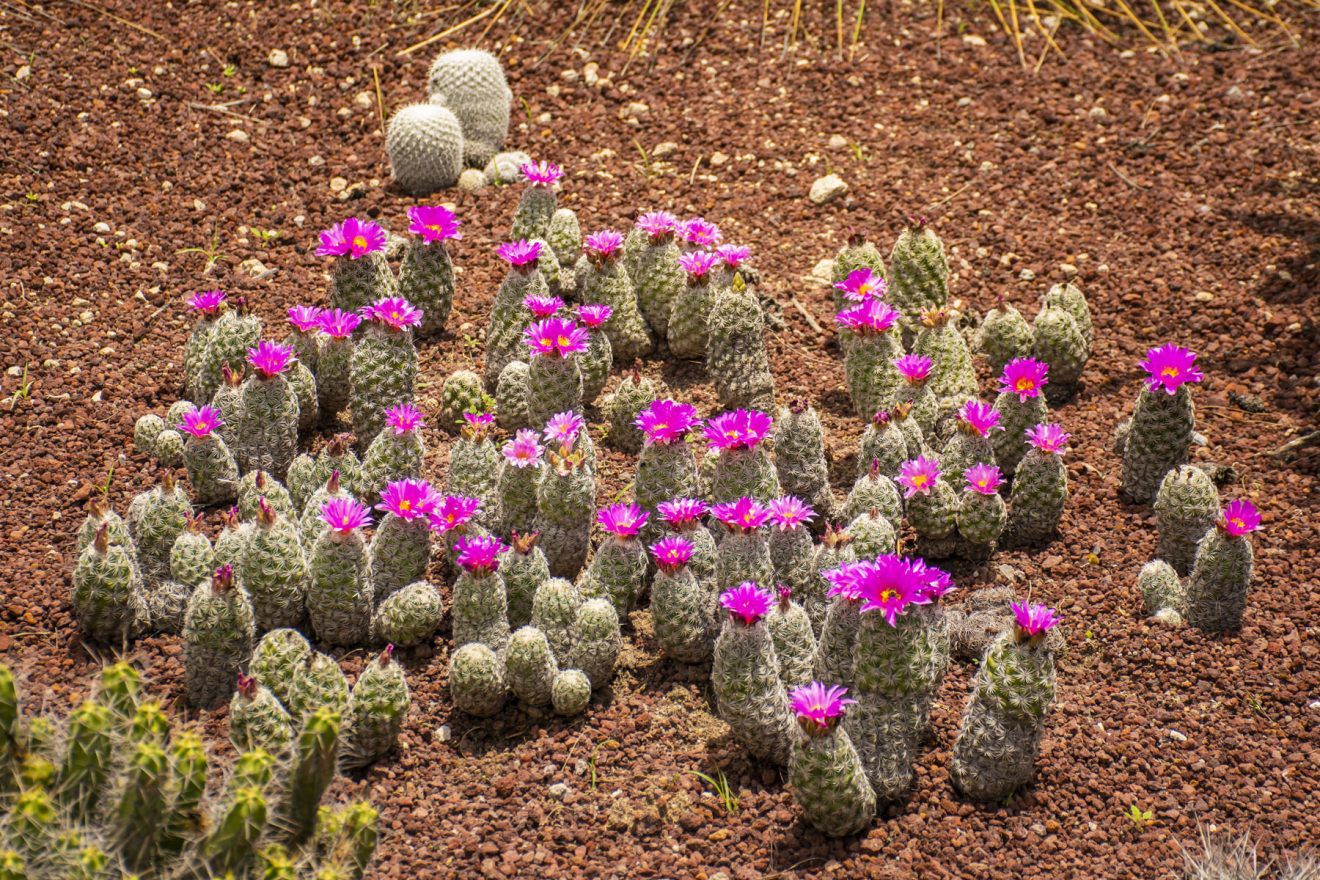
(169, 448)
(360, 274)
(875, 491)
(235, 331)
(145, 431)
(401, 548)
(618, 567)
(1059, 342)
(828, 779)
(480, 612)
(1221, 576)
(257, 720)
(622, 408)
(1160, 433)
(474, 466)
(792, 553)
(1160, 588)
(425, 144)
(477, 680)
(192, 558)
(1004, 335)
(278, 659)
(408, 617)
(377, 708)
(795, 642)
(554, 378)
(570, 693)
(267, 436)
(930, 501)
(564, 235)
(155, 519)
(915, 370)
(689, 313)
(597, 641)
(258, 485)
(518, 476)
(873, 381)
(744, 553)
(108, 599)
(602, 278)
(339, 593)
(426, 274)
(311, 525)
(334, 362)
(800, 460)
(504, 331)
(682, 608)
(742, 465)
(1070, 298)
(218, 632)
(383, 367)
(565, 499)
(656, 273)
(1040, 488)
(982, 515)
(530, 666)
(100, 513)
(918, 271)
(471, 83)
(462, 394)
(884, 443)
(970, 444)
(274, 570)
(1021, 405)
(736, 359)
(538, 204)
(555, 613)
(745, 675)
(999, 738)
(208, 305)
(872, 533)
(319, 683)
(1186, 507)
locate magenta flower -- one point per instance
(338, 323)
(200, 422)
(523, 451)
(740, 429)
(403, 418)
(622, 520)
(1048, 438)
(1024, 377)
(395, 312)
(980, 417)
(560, 337)
(595, 315)
(672, 553)
(918, 476)
(305, 319)
(657, 224)
(697, 265)
(520, 253)
(543, 306)
(603, 244)
(733, 255)
(700, 232)
(915, 368)
(343, 515)
(270, 358)
(746, 602)
(861, 285)
(889, 584)
(819, 705)
(665, 421)
(208, 302)
(482, 420)
(1033, 619)
(789, 512)
(1239, 518)
(541, 173)
(743, 515)
(982, 478)
(871, 317)
(453, 512)
(1170, 367)
(563, 428)
(353, 238)
(433, 223)
(682, 511)
(936, 583)
(478, 554)
(844, 581)
(408, 499)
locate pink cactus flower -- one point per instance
(353, 238)
(478, 554)
(1170, 367)
(200, 422)
(594, 315)
(870, 317)
(1239, 518)
(339, 324)
(208, 302)
(697, 265)
(981, 417)
(746, 603)
(403, 417)
(543, 306)
(1024, 377)
(666, 421)
(672, 553)
(521, 253)
(657, 224)
(408, 499)
(622, 520)
(889, 584)
(434, 223)
(605, 243)
(983, 479)
(789, 513)
(541, 173)
(557, 337)
(1048, 438)
(395, 312)
(270, 359)
(733, 255)
(453, 512)
(305, 319)
(743, 515)
(739, 429)
(936, 582)
(1033, 619)
(682, 511)
(915, 368)
(563, 428)
(700, 232)
(819, 705)
(918, 476)
(844, 581)
(523, 451)
(862, 285)
(344, 515)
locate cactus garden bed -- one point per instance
(187, 154)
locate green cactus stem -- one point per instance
(377, 708)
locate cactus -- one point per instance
(85, 770)
(792, 553)
(800, 461)
(311, 525)
(209, 305)
(408, 617)
(100, 513)
(135, 821)
(736, 359)
(565, 499)
(969, 444)
(828, 779)
(634, 394)
(339, 593)
(347, 837)
(519, 473)
(426, 275)
(1221, 576)
(156, 519)
(425, 144)
(192, 558)
(401, 548)
(319, 683)
(618, 567)
(1160, 433)
(315, 753)
(306, 336)
(303, 481)
(1159, 587)
(511, 397)
(873, 381)
(218, 632)
(995, 753)
(1004, 335)
(982, 515)
(474, 464)
(1040, 489)
(145, 431)
(744, 553)
(602, 278)
(257, 720)
(537, 205)
(689, 313)
(837, 632)
(742, 464)
(1186, 507)
(554, 378)
(228, 401)
(857, 253)
(303, 382)
(274, 571)
(915, 369)
(932, 505)
(531, 667)
(258, 485)
(918, 271)
(107, 591)
(555, 612)
(477, 680)
(872, 534)
(235, 331)
(570, 693)
(795, 643)
(397, 453)
(1020, 406)
(597, 359)
(524, 568)
(377, 708)
(462, 394)
(682, 608)
(597, 641)
(278, 659)
(564, 235)
(471, 83)
(952, 376)
(334, 362)
(266, 436)
(656, 273)
(504, 332)
(875, 491)
(383, 367)
(480, 612)
(745, 676)
(1059, 342)
(1069, 297)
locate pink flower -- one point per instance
(743, 515)
(200, 422)
(563, 428)
(665, 421)
(844, 581)
(541, 173)
(403, 417)
(305, 319)
(622, 520)
(338, 323)
(915, 368)
(889, 584)
(1170, 367)
(746, 602)
(700, 232)
(345, 514)
(523, 451)
(936, 582)
(697, 265)
(788, 513)
(208, 302)
(353, 238)
(560, 337)
(657, 224)
(478, 554)
(919, 476)
(982, 478)
(1024, 377)
(433, 223)
(733, 255)
(739, 429)
(395, 312)
(595, 315)
(1048, 438)
(543, 306)
(603, 244)
(408, 499)
(682, 511)
(819, 705)
(1033, 619)
(672, 553)
(980, 417)
(861, 285)
(870, 317)
(453, 512)
(270, 358)
(1239, 518)
(520, 253)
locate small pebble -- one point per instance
(826, 189)
(278, 58)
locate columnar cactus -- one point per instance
(231, 543)
(597, 642)
(836, 641)
(383, 368)
(208, 305)
(884, 443)
(554, 612)
(565, 499)
(970, 443)
(377, 708)
(656, 274)
(554, 378)
(471, 83)
(875, 491)
(618, 567)
(918, 271)
(306, 323)
(982, 515)
(1160, 432)
(530, 666)
(274, 570)
(826, 773)
(396, 454)
(835, 549)
(873, 381)
(336, 455)
(335, 361)
(1004, 335)
(425, 144)
(682, 608)
(504, 332)
(634, 394)
(315, 753)
(218, 632)
(519, 473)
(257, 485)
(257, 720)
(564, 236)
(795, 642)
(409, 617)
(234, 333)
(511, 396)
(401, 548)
(156, 518)
(1059, 342)
(598, 358)
(481, 609)
(932, 505)
(1186, 507)
(1221, 575)
(736, 359)
(1040, 488)
(538, 203)
(742, 467)
(462, 394)
(745, 674)
(108, 599)
(524, 568)
(800, 460)
(995, 753)
(477, 680)
(1020, 405)
(360, 275)
(602, 278)
(267, 437)
(683, 517)
(339, 594)
(474, 465)
(689, 314)
(426, 275)
(744, 553)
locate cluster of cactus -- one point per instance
(119, 790)
(1158, 436)
(1060, 336)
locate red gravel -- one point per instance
(1182, 190)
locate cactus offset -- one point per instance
(800, 460)
(794, 640)
(1059, 342)
(531, 667)
(462, 394)
(409, 617)
(340, 596)
(257, 720)
(565, 499)
(1186, 507)
(274, 570)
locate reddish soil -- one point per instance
(1183, 190)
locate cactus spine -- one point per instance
(218, 632)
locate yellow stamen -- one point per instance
(1024, 384)
(1171, 372)
(360, 241)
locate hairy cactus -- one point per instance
(339, 592)
(744, 553)
(736, 359)
(564, 236)
(235, 331)
(918, 271)
(1059, 342)
(565, 499)
(884, 443)
(480, 612)
(602, 278)
(1040, 488)
(857, 253)
(1221, 576)
(108, 599)
(1004, 335)
(800, 461)
(508, 316)
(228, 401)
(825, 770)
(377, 708)
(837, 633)
(383, 368)
(1160, 433)
(425, 144)
(274, 570)
(689, 314)
(1186, 507)
(524, 568)
(555, 613)
(873, 381)
(474, 466)
(218, 632)
(334, 363)
(875, 491)
(408, 617)
(208, 305)
(597, 641)
(462, 394)
(570, 693)
(596, 361)
(477, 680)
(530, 666)
(872, 534)
(622, 408)
(794, 640)
(1160, 588)
(511, 396)
(426, 275)
(257, 720)
(401, 548)
(745, 675)
(99, 513)
(471, 83)
(155, 519)
(1020, 405)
